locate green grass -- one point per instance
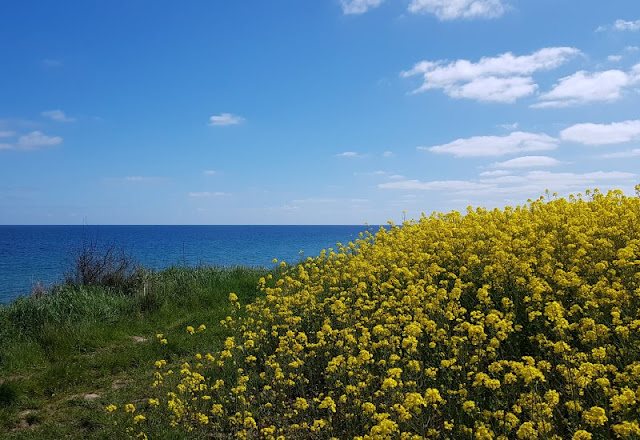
(57, 348)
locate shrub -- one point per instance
(106, 266)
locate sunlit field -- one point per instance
(514, 323)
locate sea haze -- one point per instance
(32, 254)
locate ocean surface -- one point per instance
(42, 254)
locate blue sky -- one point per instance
(310, 112)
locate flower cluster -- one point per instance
(497, 324)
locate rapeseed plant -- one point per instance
(497, 324)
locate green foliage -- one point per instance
(77, 339)
(8, 394)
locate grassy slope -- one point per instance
(56, 349)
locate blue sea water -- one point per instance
(42, 254)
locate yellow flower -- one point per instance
(595, 416)
(484, 310)
(190, 329)
(368, 408)
(129, 408)
(328, 403)
(111, 408)
(581, 435)
(301, 403)
(527, 431)
(468, 406)
(139, 418)
(202, 328)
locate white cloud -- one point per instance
(495, 89)
(614, 58)
(503, 180)
(538, 181)
(314, 200)
(348, 155)
(453, 9)
(58, 116)
(388, 154)
(210, 172)
(225, 119)
(495, 173)
(358, 6)
(527, 162)
(6, 146)
(602, 134)
(437, 185)
(208, 194)
(380, 173)
(623, 25)
(623, 154)
(530, 184)
(504, 78)
(141, 179)
(37, 139)
(632, 48)
(510, 127)
(583, 87)
(442, 9)
(477, 146)
(6, 134)
(574, 179)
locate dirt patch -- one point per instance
(139, 339)
(28, 419)
(119, 383)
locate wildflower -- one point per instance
(595, 416)
(190, 330)
(468, 406)
(111, 408)
(527, 431)
(368, 408)
(483, 311)
(301, 403)
(129, 408)
(328, 403)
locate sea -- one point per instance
(32, 255)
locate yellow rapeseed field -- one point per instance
(521, 323)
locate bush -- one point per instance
(106, 266)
